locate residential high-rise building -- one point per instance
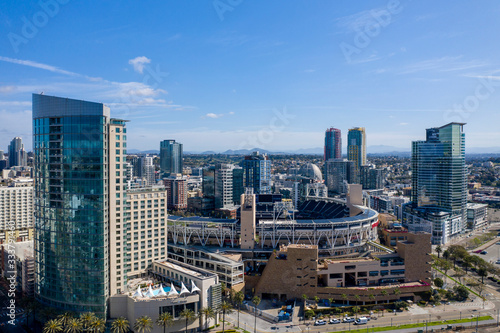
(92, 234)
(339, 172)
(356, 148)
(439, 183)
(148, 170)
(257, 173)
(16, 211)
(76, 194)
(176, 186)
(333, 144)
(223, 185)
(17, 154)
(170, 157)
(2, 156)
(238, 188)
(371, 177)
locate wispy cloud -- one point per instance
(138, 63)
(217, 115)
(356, 22)
(38, 65)
(443, 64)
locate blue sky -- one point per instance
(229, 74)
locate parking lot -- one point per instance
(493, 253)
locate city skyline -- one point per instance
(255, 85)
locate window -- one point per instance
(373, 273)
(117, 145)
(336, 276)
(117, 137)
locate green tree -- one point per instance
(482, 272)
(344, 298)
(208, 312)
(330, 301)
(65, 318)
(384, 293)
(397, 292)
(371, 297)
(73, 326)
(357, 298)
(238, 299)
(87, 318)
(53, 326)
(98, 325)
(439, 250)
(165, 320)
(143, 324)
(355, 309)
(438, 282)
(256, 302)
(461, 293)
(316, 299)
(225, 307)
(120, 325)
(188, 315)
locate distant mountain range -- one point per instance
(370, 150)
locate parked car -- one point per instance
(484, 252)
(319, 322)
(335, 321)
(361, 321)
(348, 320)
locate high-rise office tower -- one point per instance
(17, 154)
(238, 188)
(170, 157)
(439, 183)
(2, 156)
(333, 144)
(356, 146)
(257, 173)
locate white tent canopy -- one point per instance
(184, 290)
(149, 293)
(173, 291)
(194, 287)
(162, 291)
(138, 293)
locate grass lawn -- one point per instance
(391, 328)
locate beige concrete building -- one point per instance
(16, 211)
(296, 270)
(195, 288)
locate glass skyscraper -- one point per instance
(17, 154)
(356, 146)
(333, 144)
(257, 173)
(170, 157)
(70, 139)
(439, 182)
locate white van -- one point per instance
(361, 321)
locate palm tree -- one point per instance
(330, 300)
(86, 319)
(384, 293)
(316, 299)
(166, 320)
(73, 326)
(65, 318)
(439, 250)
(225, 307)
(120, 325)
(53, 326)
(256, 302)
(357, 298)
(304, 298)
(238, 298)
(371, 297)
(208, 312)
(188, 315)
(143, 324)
(344, 298)
(397, 292)
(98, 325)
(355, 309)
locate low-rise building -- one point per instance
(171, 287)
(477, 215)
(296, 270)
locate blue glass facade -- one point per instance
(257, 173)
(171, 157)
(71, 203)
